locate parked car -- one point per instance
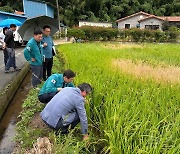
(17, 38)
(1, 38)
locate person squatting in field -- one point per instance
(54, 84)
(66, 109)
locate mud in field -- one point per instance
(140, 70)
(121, 46)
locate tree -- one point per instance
(71, 11)
(6, 8)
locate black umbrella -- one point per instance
(30, 25)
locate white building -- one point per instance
(144, 20)
(94, 24)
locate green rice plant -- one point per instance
(131, 115)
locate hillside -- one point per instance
(102, 10)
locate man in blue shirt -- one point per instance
(54, 84)
(48, 46)
(33, 54)
(66, 109)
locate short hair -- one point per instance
(37, 32)
(12, 25)
(85, 87)
(4, 29)
(69, 74)
(46, 26)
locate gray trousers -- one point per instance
(37, 73)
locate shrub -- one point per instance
(159, 36)
(147, 35)
(134, 34)
(77, 33)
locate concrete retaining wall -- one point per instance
(9, 91)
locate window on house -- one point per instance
(152, 27)
(138, 26)
(127, 26)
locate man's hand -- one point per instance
(33, 59)
(4, 46)
(59, 89)
(45, 44)
(85, 137)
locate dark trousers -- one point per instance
(5, 56)
(63, 125)
(11, 62)
(37, 73)
(47, 67)
(45, 98)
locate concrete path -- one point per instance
(6, 78)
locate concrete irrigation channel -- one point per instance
(11, 99)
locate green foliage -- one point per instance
(134, 34)
(72, 11)
(125, 114)
(27, 134)
(165, 25)
(77, 33)
(11, 6)
(159, 36)
(6, 8)
(94, 33)
(132, 115)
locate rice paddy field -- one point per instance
(135, 104)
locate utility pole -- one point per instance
(58, 18)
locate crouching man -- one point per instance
(54, 84)
(66, 109)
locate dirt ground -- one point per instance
(43, 144)
(36, 122)
(167, 74)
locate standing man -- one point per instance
(9, 47)
(48, 46)
(54, 84)
(67, 109)
(33, 54)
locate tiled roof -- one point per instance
(151, 16)
(172, 18)
(18, 12)
(12, 14)
(167, 18)
(141, 12)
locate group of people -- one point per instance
(64, 102)
(8, 45)
(39, 53)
